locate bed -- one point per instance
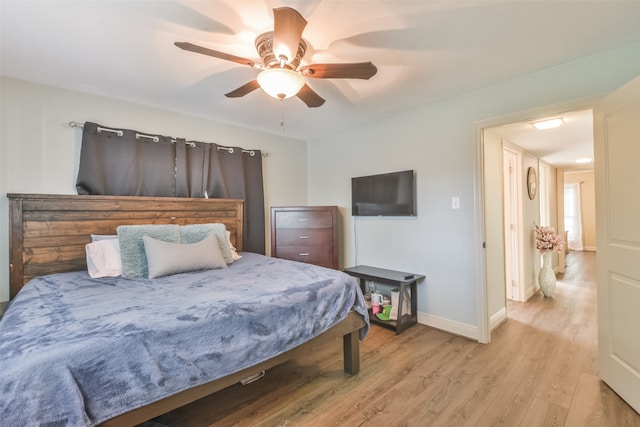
(65, 336)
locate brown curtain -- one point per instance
(192, 165)
(123, 162)
(236, 173)
(128, 163)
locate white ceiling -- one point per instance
(560, 146)
(424, 50)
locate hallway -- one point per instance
(565, 328)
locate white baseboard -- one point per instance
(457, 328)
(589, 248)
(497, 319)
(532, 291)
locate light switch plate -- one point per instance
(455, 203)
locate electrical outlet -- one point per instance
(455, 203)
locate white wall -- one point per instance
(39, 152)
(438, 141)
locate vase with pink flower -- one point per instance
(547, 242)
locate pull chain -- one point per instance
(282, 114)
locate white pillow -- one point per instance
(103, 258)
(234, 252)
(165, 258)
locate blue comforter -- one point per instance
(78, 351)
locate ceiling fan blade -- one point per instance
(243, 90)
(309, 97)
(288, 25)
(217, 54)
(360, 70)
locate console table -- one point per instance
(399, 279)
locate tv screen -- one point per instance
(388, 194)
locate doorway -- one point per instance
(542, 151)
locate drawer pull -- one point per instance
(303, 237)
(303, 219)
(304, 254)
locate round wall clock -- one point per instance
(532, 182)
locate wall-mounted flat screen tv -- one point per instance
(387, 194)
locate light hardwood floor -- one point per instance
(539, 370)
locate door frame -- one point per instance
(482, 291)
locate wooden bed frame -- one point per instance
(48, 234)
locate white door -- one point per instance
(511, 208)
(617, 159)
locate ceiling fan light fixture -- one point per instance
(280, 83)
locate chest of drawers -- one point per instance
(306, 233)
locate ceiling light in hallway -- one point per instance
(584, 160)
(548, 124)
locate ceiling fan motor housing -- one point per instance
(264, 46)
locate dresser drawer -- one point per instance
(304, 236)
(306, 233)
(304, 219)
(311, 254)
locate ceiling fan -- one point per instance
(281, 51)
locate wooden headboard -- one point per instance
(48, 233)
